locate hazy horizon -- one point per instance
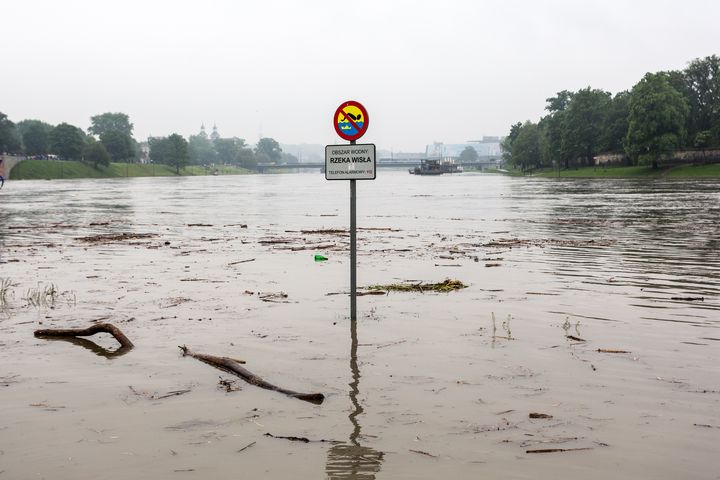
(427, 71)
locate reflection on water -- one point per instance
(90, 345)
(352, 460)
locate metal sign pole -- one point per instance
(353, 250)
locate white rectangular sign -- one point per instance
(350, 162)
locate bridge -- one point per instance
(7, 163)
(480, 164)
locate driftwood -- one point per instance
(611, 350)
(233, 366)
(557, 450)
(302, 439)
(86, 332)
(539, 415)
(573, 337)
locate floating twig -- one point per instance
(611, 350)
(242, 261)
(155, 396)
(301, 439)
(420, 452)
(246, 447)
(391, 344)
(557, 450)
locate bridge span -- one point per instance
(480, 164)
(7, 163)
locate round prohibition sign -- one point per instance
(351, 120)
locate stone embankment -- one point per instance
(680, 156)
(7, 162)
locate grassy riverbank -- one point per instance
(50, 170)
(681, 171)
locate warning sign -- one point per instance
(350, 162)
(351, 120)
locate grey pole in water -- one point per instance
(353, 251)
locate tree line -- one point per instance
(110, 138)
(664, 112)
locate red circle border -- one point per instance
(366, 122)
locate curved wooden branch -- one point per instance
(86, 332)
(233, 366)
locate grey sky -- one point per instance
(440, 70)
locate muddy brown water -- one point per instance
(425, 384)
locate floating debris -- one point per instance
(115, 237)
(556, 450)
(448, 285)
(540, 415)
(302, 439)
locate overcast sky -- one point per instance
(439, 70)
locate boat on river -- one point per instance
(436, 167)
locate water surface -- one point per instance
(423, 385)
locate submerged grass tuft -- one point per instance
(42, 296)
(5, 285)
(448, 285)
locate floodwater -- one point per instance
(605, 297)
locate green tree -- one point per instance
(656, 123)
(115, 132)
(110, 122)
(246, 158)
(9, 138)
(227, 149)
(557, 148)
(201, 149)
(526, 152)
(35, 136)
(469, 154)
(67, 141)
(95, 153)
(179, 155)
(506, 144)
(702, 80)
(616, 125)
(118, 145)
(172, 150)
(585, 119)
(270, 148)
(559, 102)
(160, 150)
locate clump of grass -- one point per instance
(5, 285)
(448, 285)
(42, 296)
(505, 326)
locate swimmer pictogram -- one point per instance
(351, 120)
